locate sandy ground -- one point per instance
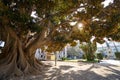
(105, 70)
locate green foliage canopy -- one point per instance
(54, 16)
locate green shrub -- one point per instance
(64, 58)
(117, 54)
(83, 56)
(90, 57)
(99, 56)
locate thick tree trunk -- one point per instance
(14, 61)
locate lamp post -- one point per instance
(56, 58)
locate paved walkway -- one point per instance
(78, 71)
(112, 62)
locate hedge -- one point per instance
(117, 54)
(99, 56)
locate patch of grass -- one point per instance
(82, 60)
(85, 60)
(73, 60)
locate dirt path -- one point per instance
(78, 71)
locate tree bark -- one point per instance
(14, 60)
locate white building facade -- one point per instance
(40, 55)
(108, 49)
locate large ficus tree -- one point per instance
(50, 29)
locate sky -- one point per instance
(107, 2)
(2, 43)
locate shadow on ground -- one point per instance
(88, 74)
(67, 72)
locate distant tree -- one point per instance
(73, 51)
(89, 50)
